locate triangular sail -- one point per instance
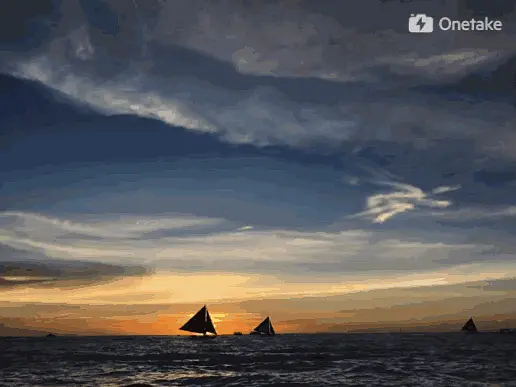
(265, 327)
(210, 328)
(469, 326)
(200, 323)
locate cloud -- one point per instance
(115, 97)
(274, 252)
(505, 285)
(121, 226)
(413, 302)
(444, 189)
(301, 39)
(80, 41)
(22, 267)
(295, 90)
(245, 228)
(475, 213)
(264, 115)
(447, 65)
(383, 206)
(281, 75)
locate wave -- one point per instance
(287, 360)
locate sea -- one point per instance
(402, 359)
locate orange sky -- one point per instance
(167, 288)
(160, 300)
(412, 306)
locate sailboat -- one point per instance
(508, 330)
(469, 327)
(264, 328)
(200, 323)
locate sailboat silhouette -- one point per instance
(470, 326)
(264, 328)
(200, 323)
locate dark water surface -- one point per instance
(487, 359)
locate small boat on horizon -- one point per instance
(470, 327)
(51, 335)
(200, 323)
(265, 328)
(237, 333)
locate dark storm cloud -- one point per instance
(19, 267)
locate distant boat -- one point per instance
(200, 323)
(508, 330)
(469, 327)
(51, 335)
(264, 328)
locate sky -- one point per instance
(311, 161)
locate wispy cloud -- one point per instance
(477, 213)
(116, 96)
(106, 226)
(265, 115)
(383, 206)
(273, 251)
(245, 228)
(300, 82)
(290, 40)
(322, 89)
(172, 288)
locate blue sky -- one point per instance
(291, 142)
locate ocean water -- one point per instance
(487, 359)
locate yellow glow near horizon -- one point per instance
(167, 288)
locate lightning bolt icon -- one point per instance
(420, 23)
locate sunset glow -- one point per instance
(261, 167)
